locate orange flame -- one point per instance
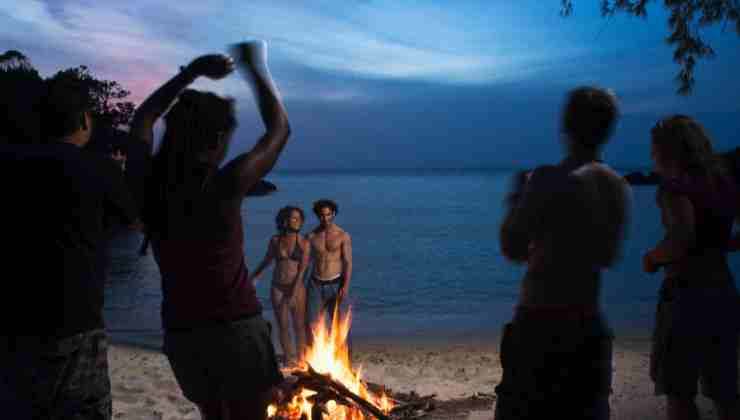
(329, 355)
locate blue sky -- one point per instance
(399, 84)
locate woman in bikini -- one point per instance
(290, 251)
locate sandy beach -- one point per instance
(144, 387)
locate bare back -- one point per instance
(572, 226)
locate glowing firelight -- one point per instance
(329, 355)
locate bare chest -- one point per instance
(324, 244)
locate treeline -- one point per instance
(22, 88)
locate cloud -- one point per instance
(378, 40)
(141, 43)
(114, 43)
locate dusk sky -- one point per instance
(399, 83)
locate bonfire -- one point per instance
(326, 387)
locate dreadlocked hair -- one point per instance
(197, 123)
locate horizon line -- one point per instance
(439, 169)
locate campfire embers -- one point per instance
(325, 387)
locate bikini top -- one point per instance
(296, 254)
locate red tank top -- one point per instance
(204, 281)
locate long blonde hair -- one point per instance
(683, 140)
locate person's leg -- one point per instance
(247, 370)
(678, 381)
(728, 411)
(677, 351)
(298, 310)
(13, 391)
(682, 409)
(190, 355)
(83, 389)
(599, 349)
(281, 307)
(211, 410)
(322, 301)
(329, 294)
(509, 404)
(720, 375)
(247, 409)
(313, 308)
(334, 311)
(719, 352)
(554, 368)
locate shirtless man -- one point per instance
(566, 222)
(331, 252)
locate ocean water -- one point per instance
(427, 263)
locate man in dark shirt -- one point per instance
(53, 351)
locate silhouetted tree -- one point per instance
(13, 60)
(685, 20)
(20, 86)
(111, 110)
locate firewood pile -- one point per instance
(329, 391)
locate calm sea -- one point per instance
(426, 258)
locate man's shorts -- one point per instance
(321, 297)
(555, 367)
(696, 339)
(61, 379)
(234, 360)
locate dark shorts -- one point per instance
(696, 340)
(321, 297)
(555, 368)
(65, 379)
(232, 361)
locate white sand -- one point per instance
(144, 388)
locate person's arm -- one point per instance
(214, 66)
(244, 171)
(118, 205)
(269, 257)
(735, 242)
(678, 218)
(526, 201)
(346, 264)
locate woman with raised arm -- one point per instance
(215, 338)
(291, 252)
(698, 316)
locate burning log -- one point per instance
(325, 386)
(310, 379)
(329, 390)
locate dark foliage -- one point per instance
(20, 85)
(111, 110)
(686, 19)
